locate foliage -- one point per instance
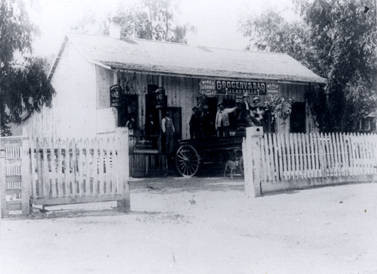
(278, 106)
(337, 40)
(151, 20)
(24, 87)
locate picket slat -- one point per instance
(52, 168)
(304, 155)
(58, 163)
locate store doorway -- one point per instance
(298, 118)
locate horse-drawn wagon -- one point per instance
(194, 154)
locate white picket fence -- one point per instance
(284, 161)
(66, 171)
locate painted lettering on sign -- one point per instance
(273, 88)
(207, 88)
(240, 87)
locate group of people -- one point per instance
(246, 115)
(201, 123)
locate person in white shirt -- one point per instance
(222, 120)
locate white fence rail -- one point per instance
(64, 171)
(284, 161)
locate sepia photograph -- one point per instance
(188, 136)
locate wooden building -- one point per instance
(102, 83)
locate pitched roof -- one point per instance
(176, 58)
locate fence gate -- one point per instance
(64, 171)
(13, 170)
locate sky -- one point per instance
(216, 21)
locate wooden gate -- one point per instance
(13, 172)
(64, 171)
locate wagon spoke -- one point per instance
(187, 160)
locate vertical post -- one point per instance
(25, 177)
(124, 204)
(253, 187)
(3, 209)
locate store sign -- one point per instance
(115, 93)
(238, 88)
(273, 88)
(207, 88)
(161, 98)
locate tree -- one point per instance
(337, 40)
(151, 20)
(24, 87)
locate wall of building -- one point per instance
(181, 92)
(74, 103)
(296, 92)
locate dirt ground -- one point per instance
(201, 225)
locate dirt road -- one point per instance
(202, 226)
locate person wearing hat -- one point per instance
(222, 120)
(256, 112)
(195, 123)
(244, 111)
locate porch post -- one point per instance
(252, 162)
(124, 204)
(25, 177)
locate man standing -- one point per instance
(206, 123)
(195, 123)
(222, 120)
(168, 131)
(256, 112)
(244, 112)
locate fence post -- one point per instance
(25, 177)
(123, 164)
(3, 209)
(253, 186)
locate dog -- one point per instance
(232, 166)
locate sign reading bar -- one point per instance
(212, 88)
(115, 93)
(240, 87)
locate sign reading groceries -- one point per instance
(226, 87)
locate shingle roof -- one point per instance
(176, 58)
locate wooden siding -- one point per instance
(104, 79)
(73, 106)
(296, 92)
(181, 92)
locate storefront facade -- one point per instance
(102, 84)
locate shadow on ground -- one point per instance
(194, 184)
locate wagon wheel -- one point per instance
(187, 160)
